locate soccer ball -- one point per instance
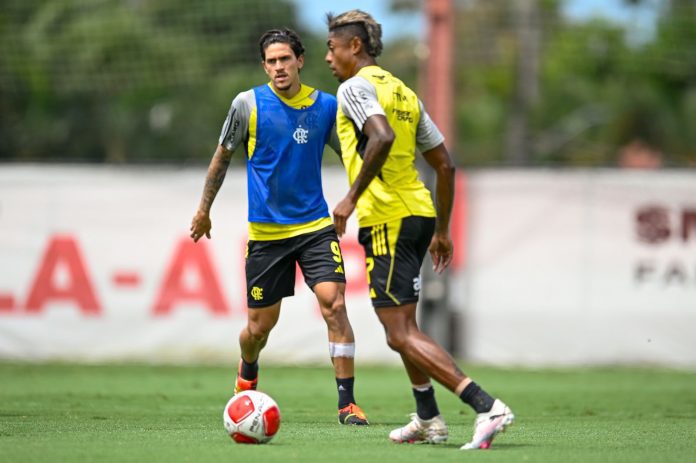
(251, 417)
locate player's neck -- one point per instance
(363, 62)
(289, 92)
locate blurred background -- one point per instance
(573, 123)
(536, 82)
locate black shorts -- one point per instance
(394, 253)
(270, 265)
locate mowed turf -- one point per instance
(139, 413)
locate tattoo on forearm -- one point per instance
(213, 182)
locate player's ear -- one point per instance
(356, 45)
(300, 61)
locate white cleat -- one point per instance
(489, 424)
(432, 431)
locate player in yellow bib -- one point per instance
(381, 124)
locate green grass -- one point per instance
(139, 413)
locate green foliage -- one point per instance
(151, 80)
(126, 81)
(596, 91)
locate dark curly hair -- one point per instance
(283, 35)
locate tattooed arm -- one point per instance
(201, 224)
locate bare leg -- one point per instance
(423, 357)
(330, 296)
(417, 377)
(254, 335)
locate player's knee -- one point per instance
(397, 341)
(334, 311)
(259, 331)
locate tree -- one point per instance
(116, 81)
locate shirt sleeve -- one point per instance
(236, 127)
(334, 141)
(357, 99)
(428, 136)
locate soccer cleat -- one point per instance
(432, 431)
(242, 384)
(352, 414)
(488, 424)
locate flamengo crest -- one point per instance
(301, 135)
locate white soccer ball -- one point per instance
(251, 417)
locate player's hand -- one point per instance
(200, 225)
(341, 212)
(441, 251)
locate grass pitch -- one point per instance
(139, 413)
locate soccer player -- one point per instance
(282, 127)
(380, 123)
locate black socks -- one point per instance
(426, 407)
(479, 400)
(345, 391)
(249, 371)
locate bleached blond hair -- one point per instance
(360, 24)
